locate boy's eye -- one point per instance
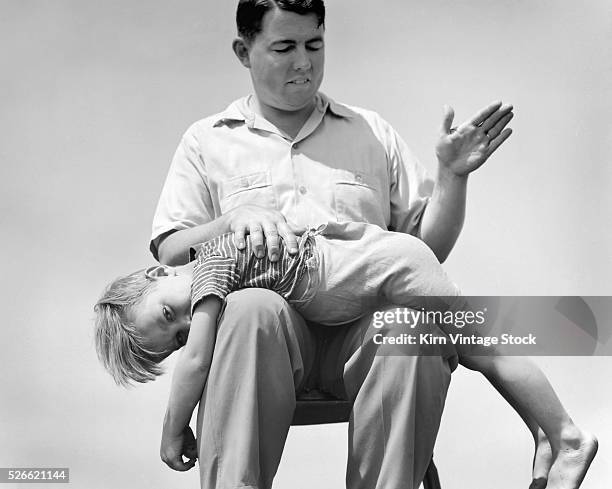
(167, 313)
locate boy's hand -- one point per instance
(464, 149)
(174, 447)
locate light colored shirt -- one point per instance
(346, 164)
(220, 268)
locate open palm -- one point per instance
(464, 149)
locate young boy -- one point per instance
(341, 272)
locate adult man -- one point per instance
(277, 161)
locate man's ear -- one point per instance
(241, 50)
(157, 271)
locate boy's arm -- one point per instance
(188, 382)
(460, 151)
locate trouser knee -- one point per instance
(259, 324)
(251, 313)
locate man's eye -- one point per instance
(314, 47)
(167, 313)
(283, 50)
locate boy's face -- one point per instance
(163, 317)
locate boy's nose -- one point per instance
(185, 321)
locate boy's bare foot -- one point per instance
(576, 453)
(542, 460)
(539, 483)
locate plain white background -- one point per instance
(95, 96)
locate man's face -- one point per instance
(163, 317)
(286, 60)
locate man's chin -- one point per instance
(292, 105)
(297, 105)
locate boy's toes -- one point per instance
(539, 483)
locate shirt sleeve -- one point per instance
(213, 274)
(410, 186)
(185, 199)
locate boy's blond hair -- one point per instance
(119, 346)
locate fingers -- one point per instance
(447, 121)
(484, 114)
(175, 461)
(503, 121)
(497, 142)
(262, 235)
(495, 117)
(257, 238)
(267, 228)
(288, 237)
(492, 122)
(272, 240)
(190, 445)
(179, 465)
(191, 452)
(239, 236)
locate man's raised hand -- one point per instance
(464, 149)
(266, 227)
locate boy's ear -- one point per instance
(157, 271)
(241, 50)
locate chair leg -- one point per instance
(431, 480)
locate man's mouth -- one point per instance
(300, 81)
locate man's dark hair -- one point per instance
(250, 13)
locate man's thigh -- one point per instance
(359, 343)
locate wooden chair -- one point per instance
(315, 407)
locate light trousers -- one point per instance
(266, 351)
(357, 268)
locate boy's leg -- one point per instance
(518, 379)
(263, 352)
(365, 264)
(528, 391)
(398, 398)
(363, 267)
(543, 457)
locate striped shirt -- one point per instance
(220, 268)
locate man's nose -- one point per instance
(301, 62)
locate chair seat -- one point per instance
(316, 407)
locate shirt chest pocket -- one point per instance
(253, 188)
(357, 197)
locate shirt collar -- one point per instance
(235, 112)
(240, 111)
(324, 103)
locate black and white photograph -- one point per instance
(303, 243)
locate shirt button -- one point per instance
(296, 146)
(303, 190)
